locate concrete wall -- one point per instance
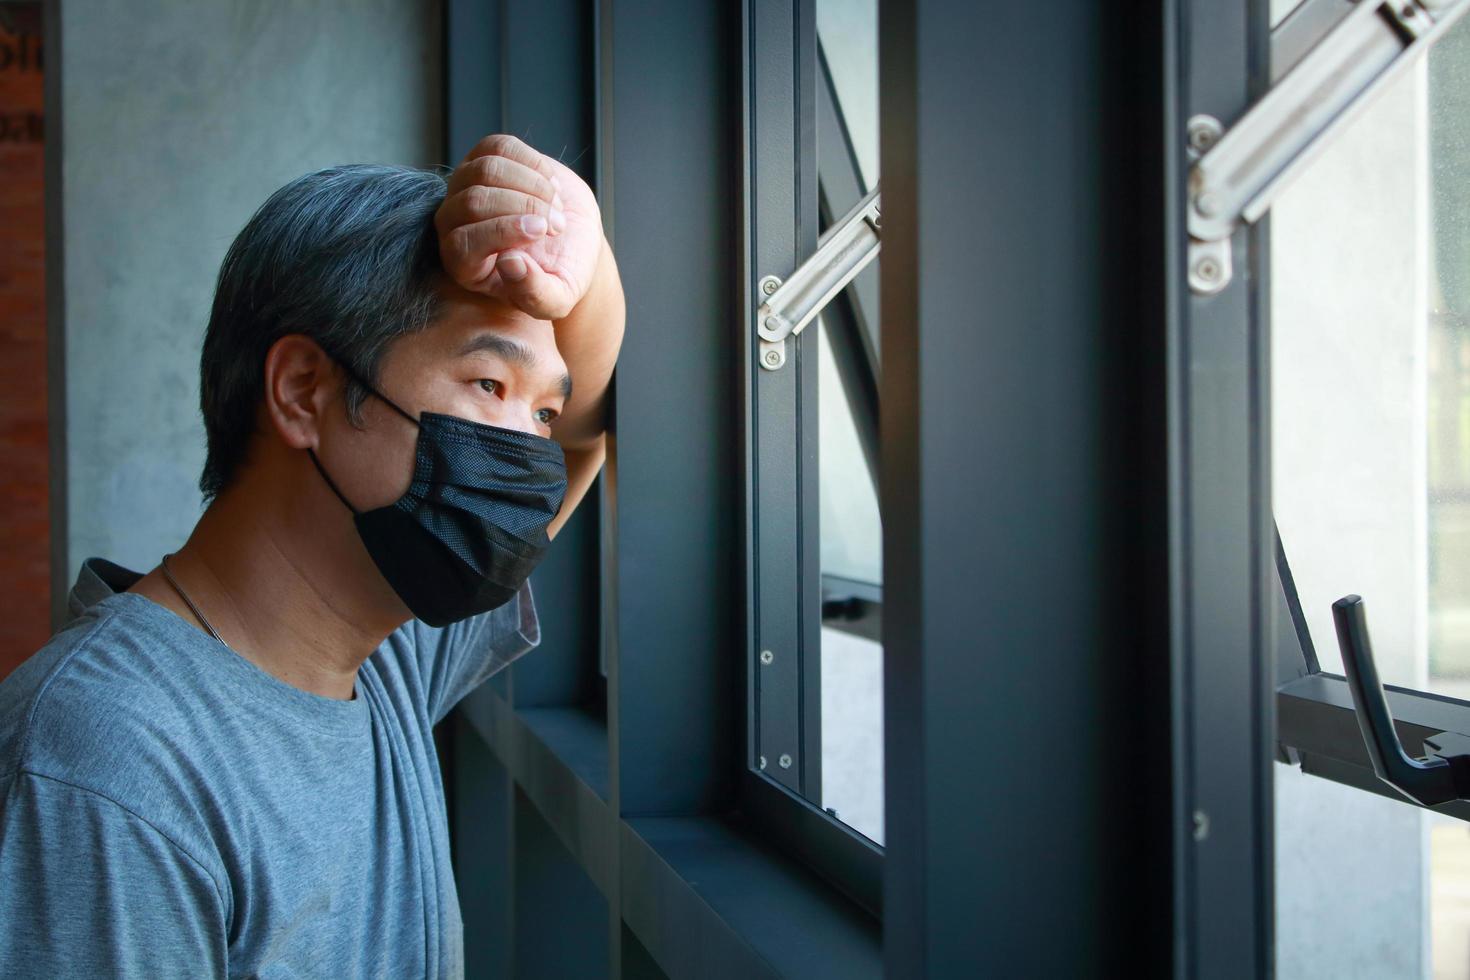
(178, 120)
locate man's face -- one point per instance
(482, 360)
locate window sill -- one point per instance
(703, 893)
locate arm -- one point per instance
(451, 661)
(568, 277)
(589, 338)
(583, 465)
(87, 888)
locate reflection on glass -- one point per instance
(1371, 376)
(1449, 366)
(1449, 844)
(1370, 393)
(852, 663)
(848, 33)
(852, 537)
(850, 529)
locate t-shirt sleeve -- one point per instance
(89, 889)
(453, 660)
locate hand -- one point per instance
(520, 226)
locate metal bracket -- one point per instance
(786, 307)
(1240, 172)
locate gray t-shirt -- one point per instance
(168, 809)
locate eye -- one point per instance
(489, 386)
(546, 416)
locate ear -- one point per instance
(301, 382)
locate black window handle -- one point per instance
(1444, 775)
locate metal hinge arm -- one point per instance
(1239, 173)
(844, 251)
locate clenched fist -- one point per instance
(520, 226)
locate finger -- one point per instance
(468, 251)
(498, 171)
(531, 288)
(505, 145)
(481, 203)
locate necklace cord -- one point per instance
(189, 602)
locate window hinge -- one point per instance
(844, 251)
(1238, 173)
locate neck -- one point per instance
(276, 595)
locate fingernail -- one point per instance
(556, 201)
(555, 185)
(558, 220)
(533, 225)
(512, 266)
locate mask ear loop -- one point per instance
(331, 483)
(382, 397)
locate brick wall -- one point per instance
(24, 522)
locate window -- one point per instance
(816, 659)
(1370, 437)
(818, 646)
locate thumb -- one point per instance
(531, 288)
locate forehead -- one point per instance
(471, 325)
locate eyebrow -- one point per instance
(513, 352)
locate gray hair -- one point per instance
(346, 256)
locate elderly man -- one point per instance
(225, 765)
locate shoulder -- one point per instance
(108, 706)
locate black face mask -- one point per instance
(472, 525)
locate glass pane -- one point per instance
(1371, 376)
(1449, 849)
(852, 537)
(1370, 373)
(1281, 9)
(1449, 365)
(848, 33)
(850, 530)
(852, 664)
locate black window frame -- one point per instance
(1051, 812)
(783, 708)
(1253, 667)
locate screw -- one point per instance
(772, 358)
(1207, 269)
(770, 284)
(763, 762)
(1201, 825)
(1202, 132)
(1207, 204)
(767, 656)
(773, 323)
(784, 761)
